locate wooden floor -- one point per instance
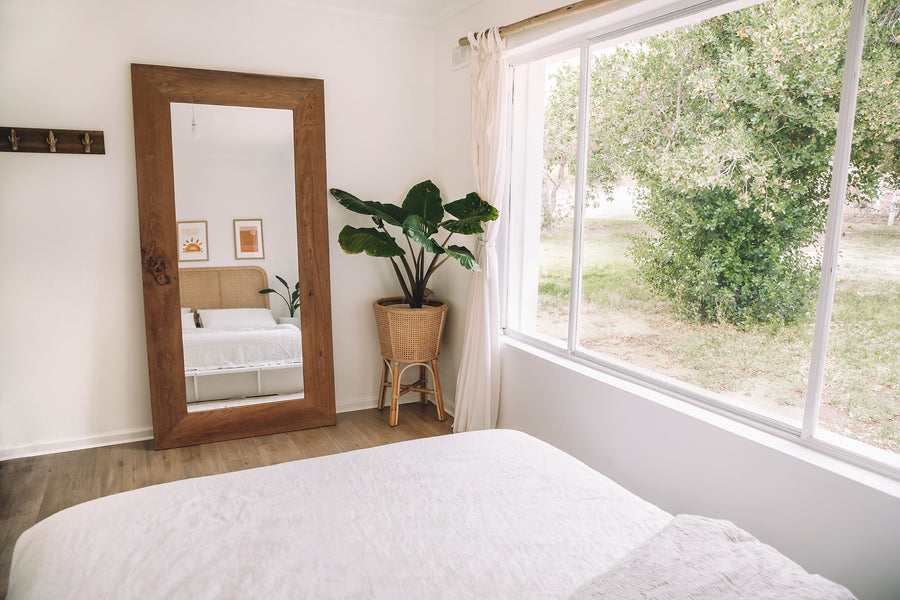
(34, 488)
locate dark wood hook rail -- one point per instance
(58, 141)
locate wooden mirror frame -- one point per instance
(153, 89)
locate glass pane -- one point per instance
(708, 178)
(237, 231)
(543, 196)
(861, 393)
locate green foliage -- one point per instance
(729, 127)
(372, 241)
(716, 262)
(623, 318)
(293, 296)
(420, 218)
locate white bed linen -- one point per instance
(228, 348)
(488, 514)
(708, 559)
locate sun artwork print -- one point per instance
(192, 245)
(192, 241)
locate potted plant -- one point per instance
(410, 327)
(420, 218)
(292, 300)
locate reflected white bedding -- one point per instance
(493, 514)
(228, 348)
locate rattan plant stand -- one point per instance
(410, 337)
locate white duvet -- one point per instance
(228, 348)
(697, 558)
(494, 514)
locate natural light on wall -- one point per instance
(669, 199)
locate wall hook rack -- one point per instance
(58, 141)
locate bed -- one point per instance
(233, 347)
(491, 514)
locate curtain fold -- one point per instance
(478, 381)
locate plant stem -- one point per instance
(421, 272)
(413, 254)
(285, 301)
(400, 279)
(431, 267)
(409, 272)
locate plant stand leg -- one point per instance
(422, 383)
(395, 393)
(437, 390)
(382, 384)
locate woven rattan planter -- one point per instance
(410, 334)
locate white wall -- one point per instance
(219, 189)
(678, 459)
(687, 462)
(73, 354)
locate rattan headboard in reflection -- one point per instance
(223, 287)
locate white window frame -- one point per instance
(809, 435)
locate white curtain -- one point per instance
(478, 382)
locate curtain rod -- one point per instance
(547, 17)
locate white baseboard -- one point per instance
(67, 445)
(141, 434)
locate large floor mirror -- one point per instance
(232, 201)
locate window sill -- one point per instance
(846, 458)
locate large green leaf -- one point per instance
(464, 256)
(424, 200)
(416, 229)
(373, 242)
(391, 213)
(470, 213)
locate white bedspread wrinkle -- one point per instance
(487, 514)
(228, 348)
(696, 558)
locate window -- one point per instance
(671, 188)
(546, 119)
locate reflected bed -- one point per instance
(233, 358)
(213, 349)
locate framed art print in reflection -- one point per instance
(248, 238)
(192, 244)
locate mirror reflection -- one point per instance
(237, 250)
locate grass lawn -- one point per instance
(763, 368)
